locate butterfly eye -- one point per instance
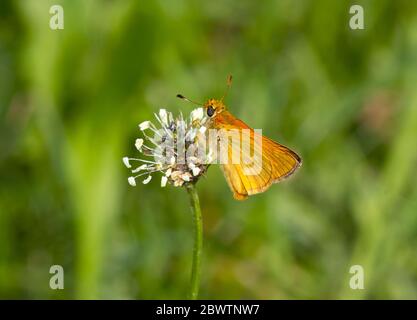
(210, 111)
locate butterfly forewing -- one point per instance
(270, 161)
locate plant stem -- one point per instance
(198, 241)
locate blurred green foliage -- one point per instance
(70, 102)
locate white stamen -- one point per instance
(164, 181)
(126, 162)
(168, 132)
(146, 181)
(203, 129)
(140, 168)
(175, 175)
(141, 160)
(164, 116)
(168, 172)
(178, 183)
(196, 171)
(186, 176)
(151, 140)
(131, 181)
(139, 144)
(144, 125)
(172, 160)
(197, 114)
(156, 130)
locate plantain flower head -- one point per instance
(175, 147)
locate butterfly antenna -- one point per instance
(186, 99)
(229, 84)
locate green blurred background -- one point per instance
(70, 102)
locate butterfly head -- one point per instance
(213, 107)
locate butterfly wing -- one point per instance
(275, 162)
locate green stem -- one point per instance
(198, 241)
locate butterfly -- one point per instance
(274, 163)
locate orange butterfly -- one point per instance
(276, 162)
